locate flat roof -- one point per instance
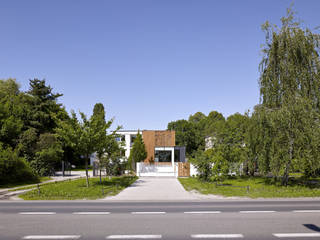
(141, 130)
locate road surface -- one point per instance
(160, 220)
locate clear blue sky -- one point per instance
(149, 62)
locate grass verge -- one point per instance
(76, 189)
(258, 187)
(21, 184)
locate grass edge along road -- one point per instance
(258, 187)
(77, 190)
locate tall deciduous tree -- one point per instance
(290, 97)
(87, 135)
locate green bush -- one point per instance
(211, 164)
(13, 168)
(203, 164)
(48, 156)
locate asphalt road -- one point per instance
(160, 220)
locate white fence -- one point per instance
(157, 170)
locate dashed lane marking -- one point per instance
(257, 211)
(134, 237)
(306, 211)
(291, 235)
(148, 212)
(202, 212)
(91, 213)
(217, 236)
(37, 213)
(52, 237)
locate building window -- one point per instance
(162, 156)
(133, 137)
(121, 138)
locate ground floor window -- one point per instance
(162, 156)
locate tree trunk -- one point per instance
(133, 165)
(285, 177)
(100, 175)
(87, 177)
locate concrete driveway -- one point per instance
(154, 188)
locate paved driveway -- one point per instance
(154, 188)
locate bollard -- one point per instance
(38, 189)
(248, 188)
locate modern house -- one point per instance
(164, 158)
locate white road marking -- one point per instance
(306, 211)
(37, 213)
(291, 235)
(257, 211)
(134, 237)
(148, 212)
(202, 212)
(217, 236)
(91, 213)
(52, 237)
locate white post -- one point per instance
(138, 168)
(127, 141)
(172, 157)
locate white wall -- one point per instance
(193, 170)
(127, 135)
(153, 170)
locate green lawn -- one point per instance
(258, 187)
(76, 189)
(20, 184)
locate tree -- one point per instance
(191, 133)
(234, 141)
(45, 109)
(11, 108)
(48, 155)
(186, 135)
(86, 136)
(203, 163)
(106, 147)
(214, 123)
(138, 152)
(290, 97)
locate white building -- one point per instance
(127, 137)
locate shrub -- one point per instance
(49, 154)
(203, 164)
(13, 168)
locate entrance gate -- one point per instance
(183, 169)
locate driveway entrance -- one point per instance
(154, 188)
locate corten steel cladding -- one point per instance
(154, 139)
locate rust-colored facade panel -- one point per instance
(149, 142)
(165, 138)
(154, 139)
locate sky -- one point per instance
(149, 62)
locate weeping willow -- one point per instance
(288, 128)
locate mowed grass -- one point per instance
(20, 184)
(77, 189)
(258, 187)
